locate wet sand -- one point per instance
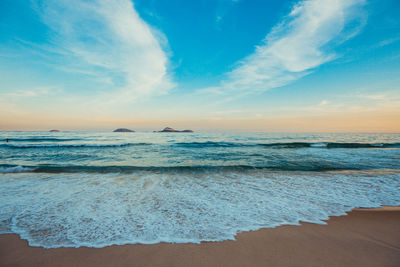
(365, 237)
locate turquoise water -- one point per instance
(72, 189)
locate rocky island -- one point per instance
(123, 130)
(171, 130)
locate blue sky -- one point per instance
(317, 65)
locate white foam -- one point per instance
(48, 145)
(97, 210)
(319, 145)
(15, 169)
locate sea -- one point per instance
(96, 189)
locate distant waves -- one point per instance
(83, 145)
(293, 145)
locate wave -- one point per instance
(195, 145)
(290, 145)
(41, 139)
(15, 169)
(331, 145)
(210, 144)
(101, 210)
(6, 168)
(71, 145)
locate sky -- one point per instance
(229, 65)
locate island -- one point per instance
(171, 130)
(54, 131)
(123, 130)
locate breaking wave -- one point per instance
(97, 210)
(290, 145)
(49, 145)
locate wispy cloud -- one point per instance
(107, 39)
(388, 41)
(33, 92)
(223, 8)
(304, 40)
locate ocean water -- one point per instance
(95, 189)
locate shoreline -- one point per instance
(363, 237)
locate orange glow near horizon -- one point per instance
(383, 121)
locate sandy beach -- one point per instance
(365, 237)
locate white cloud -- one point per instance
(388, 41)
(107, 39)
(33, 92)
(303, 41)
(323, 103)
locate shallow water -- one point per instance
(76, 189)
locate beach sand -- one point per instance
(365, 237)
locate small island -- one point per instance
(54, 131)
(123, 130)
(171, 130)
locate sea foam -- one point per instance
(97, 210)
(15, 169)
